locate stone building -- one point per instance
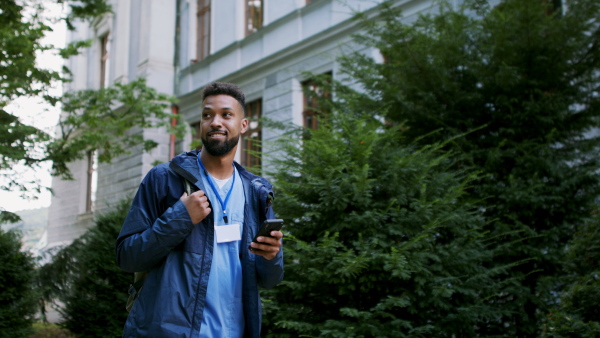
(264, 46)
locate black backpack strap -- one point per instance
(188, 179)
(182, 172)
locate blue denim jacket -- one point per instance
(158, 235)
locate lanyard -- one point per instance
(214, 189)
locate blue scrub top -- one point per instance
(224, 313)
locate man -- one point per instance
(203, 268)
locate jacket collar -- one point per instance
(188, 162)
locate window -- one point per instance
(104, 61)
(313, 92)
(196, 141)
(92, 180)
(203, 30)
(251, 140)
(254, 15)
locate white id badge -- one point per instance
(228, 233)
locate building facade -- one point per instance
(264, 46)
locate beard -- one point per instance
(219, 148)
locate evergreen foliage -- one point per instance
(380, 239)
(578, 312)
(85, 279)
(48, 330)
(18, 298)
(520, 82)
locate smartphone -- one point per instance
(266, 228)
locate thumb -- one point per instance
(183, 196)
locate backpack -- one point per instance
(140, 277)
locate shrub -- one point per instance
(18, 298)
(84, 277)
(380, 238)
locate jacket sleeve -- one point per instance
(270, 272)
(152, 228)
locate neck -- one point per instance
(219, 167)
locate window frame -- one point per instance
(310, 106)
(104, 60)
(196, 140)
(203, 29)
(250, 144)
(250, 26)
(92, 180)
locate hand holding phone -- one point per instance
(266, 228)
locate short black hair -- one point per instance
(224, 88)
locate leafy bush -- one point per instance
(84, 277)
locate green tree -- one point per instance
(520, 81)
(18, 298)
(83, 276)
(381, 240)
(91, 119)
(578, 312)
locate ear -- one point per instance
(244, 125)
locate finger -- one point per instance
(260, 248)
(264, 251)
(198, 200)
(184, 195)
(198, 193)
(266, 246)
(269, 241)
(277, 234)
(257, 252)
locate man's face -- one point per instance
(222, 123)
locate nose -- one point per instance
(216, 122)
